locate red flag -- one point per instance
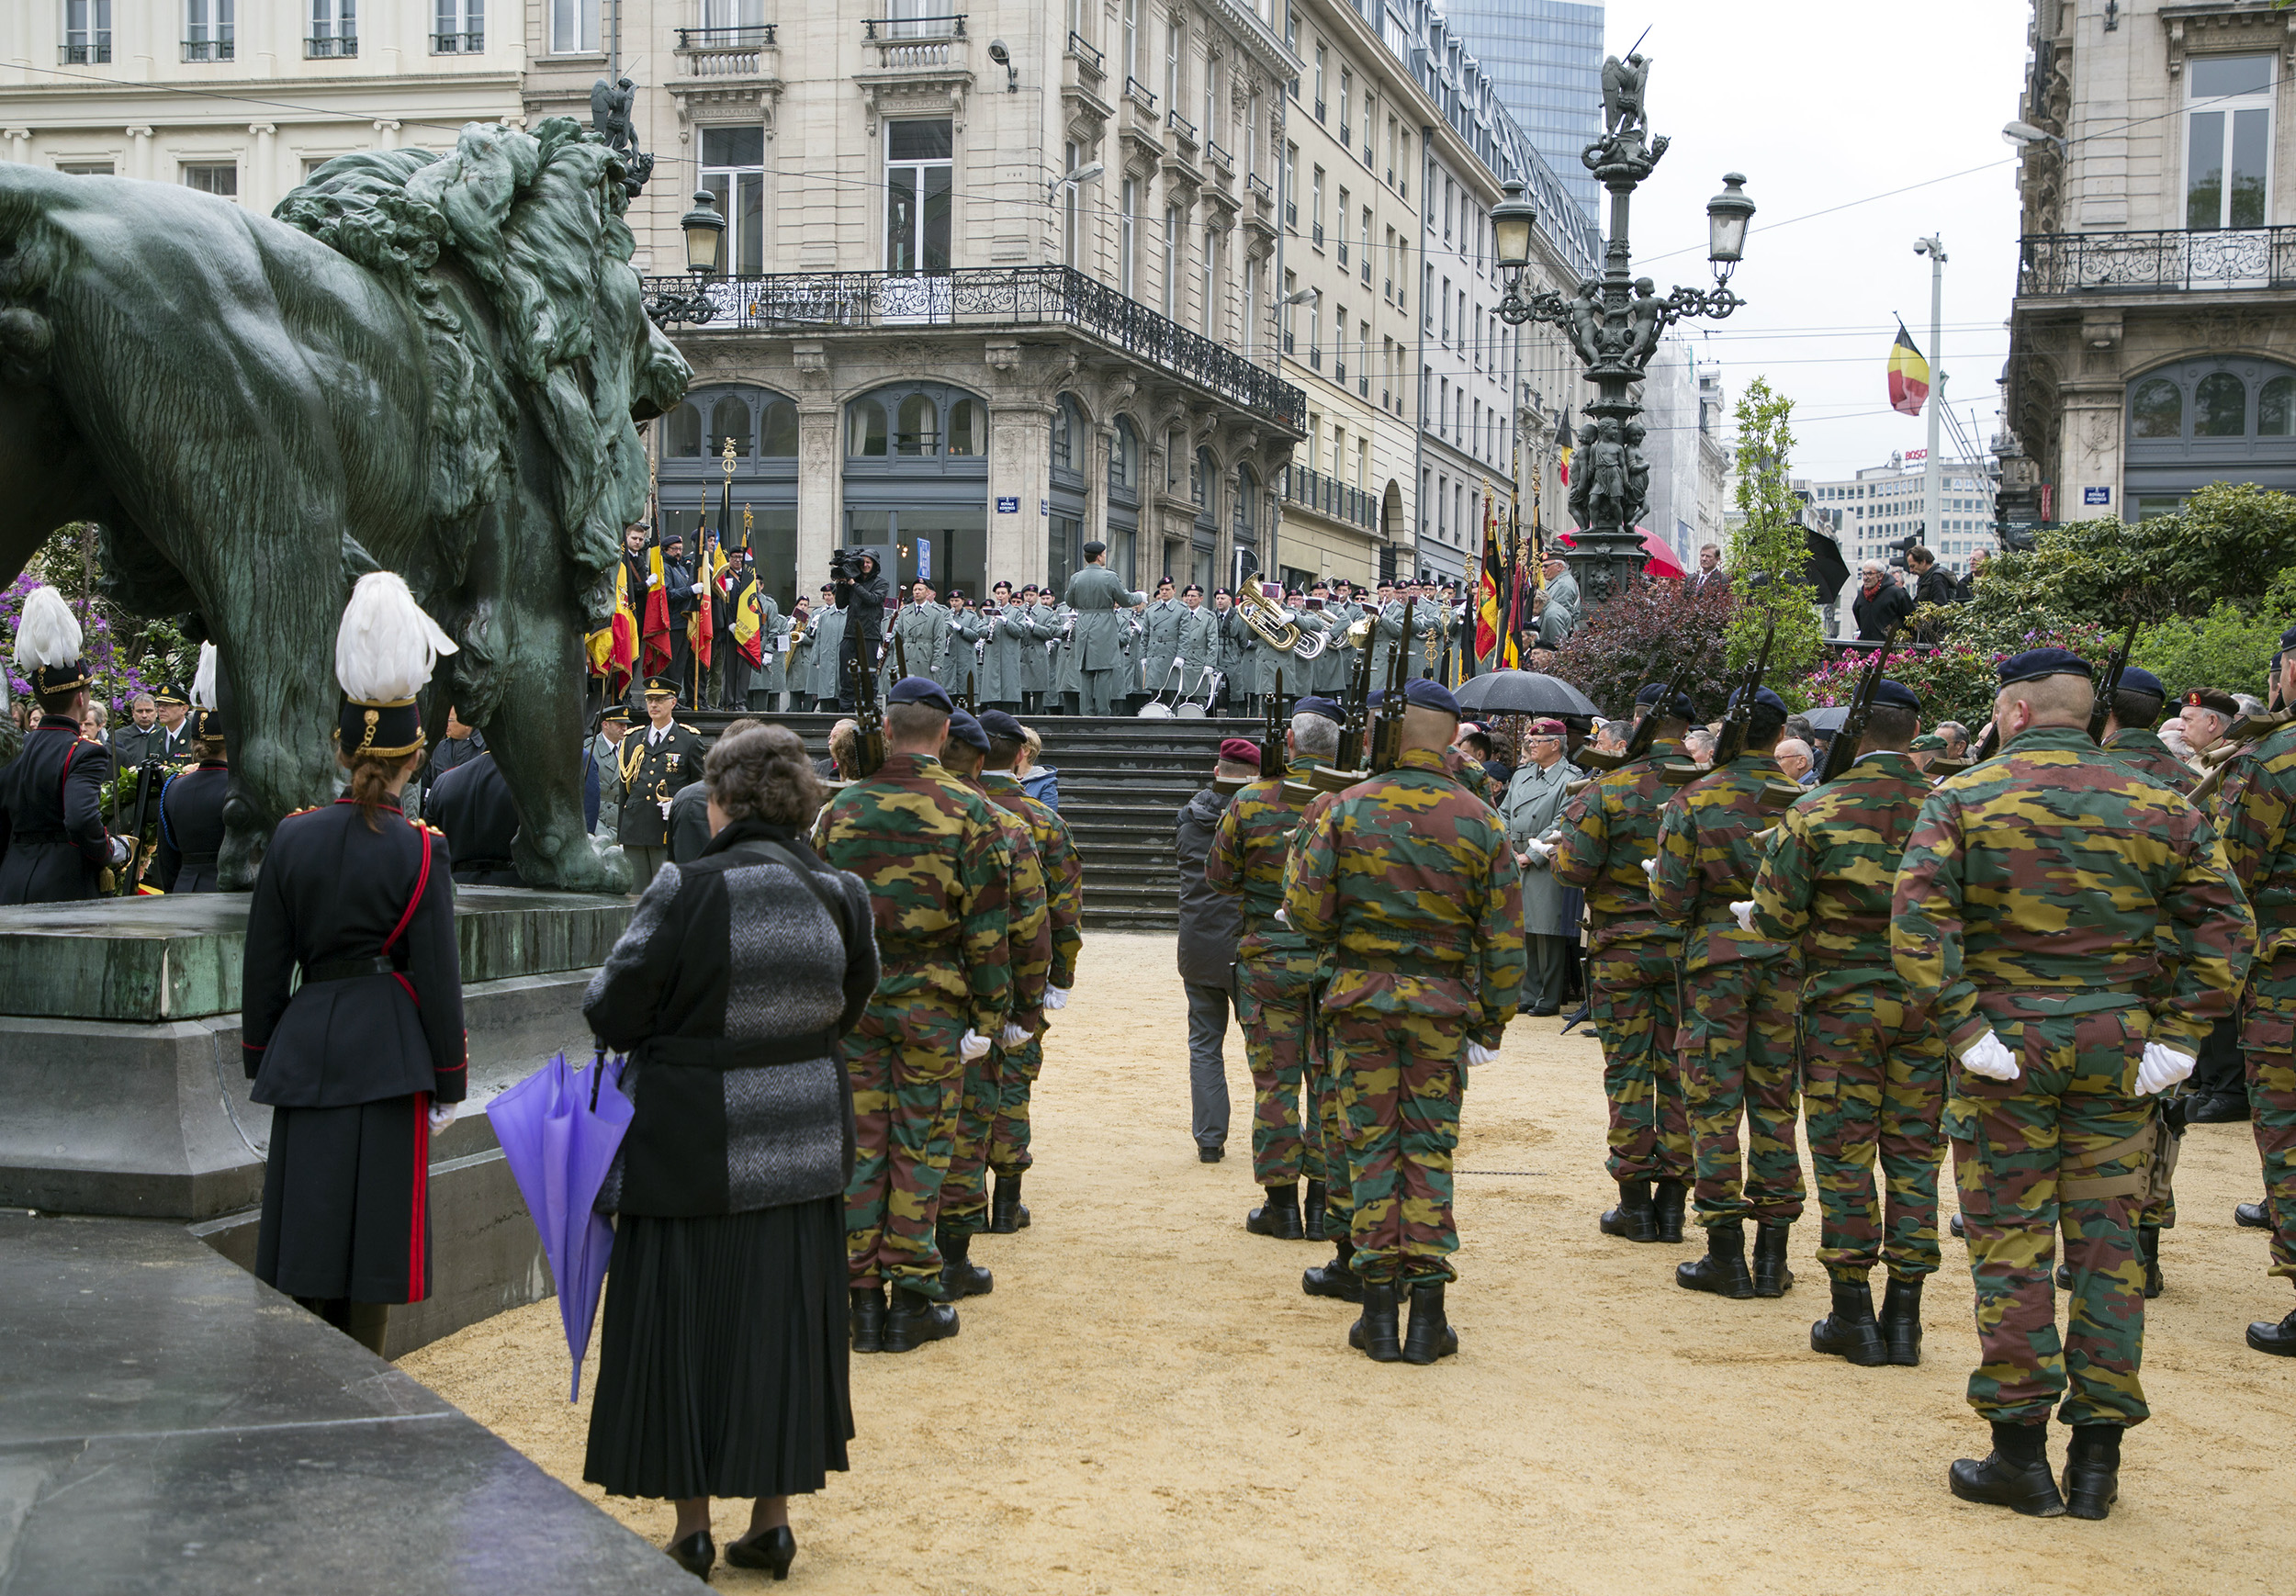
(656, 630)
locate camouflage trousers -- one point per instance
(2066, 1144)
(1331, 1119)
(1016, 1085)
(1635, 1007)
(907, 1084)
(1737, 1058)
(2268, 1047)
(1276, 1003)
(1398, 1087)
(1874, 1085)
(965, 1190)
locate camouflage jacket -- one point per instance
(1028, 929)
(1249, 853)
(2051, 870)
(2144, 751)
(1063, 870)
(932, 855)
(1828, 880)
(1709, 850)
(1408, 879)
(1607, 831)
(2255, 812)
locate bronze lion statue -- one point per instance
(432, 365)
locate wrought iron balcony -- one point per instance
(472, 43)
(1084, 50)
(987, 297)
(199, 50)
(724, 51)
(2155, 262)
(1327, 495)
(98, 53)
(324, 49)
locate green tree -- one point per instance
(1769, 551)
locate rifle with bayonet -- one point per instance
(1739, 715)
(1353, 763)
(2107, 686)
(1646, 730)
(1272, 761)
(868, 716)
(1387, 726)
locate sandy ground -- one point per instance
(1148, 1403)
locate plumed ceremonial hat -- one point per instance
(2036, 663)
(48, 644)
(964, 728)
(1239, 751)
(1312, 703)
(1896, 694)
(385, 651)
(1002, 726)
(1426, 694)
(921, 690)
(2136, 679)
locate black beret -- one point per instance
(964, 728)
(1002, 726)
(2287, 638)
(1428, 694)
(1897, 694)
(1763, 699)
(2036, 663)
(2136, 679)
(1311, 705)
(921, 690)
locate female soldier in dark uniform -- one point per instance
(366, 1060)
(191, 803)
(53, 846)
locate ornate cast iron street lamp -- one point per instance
(1614, 324)
(706, 243)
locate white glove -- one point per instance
(1650, 868)
(652, 580)
(665, 809)
(1742, 910)
(701, 587)
(1989, 1056)
(1479, 1055)
(2161, 1068)
(443, 1115)
(1013, 1036)
(971, 1046)
(1538, 852)
(1180, 661)
(1056, 998)
(121, 850)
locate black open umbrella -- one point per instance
(1827, 569)
(1524, 693)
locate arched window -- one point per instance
(1065, 436)
(966, 435)
(1201, 473)
(865, 429)
(2219, 406)
(780, 431)
(1124, 460)
(920, 432)
(1247, 487)
(729, 418)
(2276, 408)
(2156, 410)
(685, 431)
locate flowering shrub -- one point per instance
(1955, 680)
(126, 656)
(1642, 636)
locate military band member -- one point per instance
(53, 848)
(1631, 956)
(932, 854)
(655, 763)
(191, 810)
(366, 1060)
(1408, 881)
(2026, 922)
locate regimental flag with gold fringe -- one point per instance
(614, 647)
(702, 625)
(655, 632)
(1908, 376)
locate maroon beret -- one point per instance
(1239, 751)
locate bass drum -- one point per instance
(1155, 712)
(1190, 711)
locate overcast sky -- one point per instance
(1821, 104)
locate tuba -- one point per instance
(1274, 625)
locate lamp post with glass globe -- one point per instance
(1614, 324)
(705, 229)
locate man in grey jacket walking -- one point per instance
(1211, 925)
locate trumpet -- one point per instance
(1359, 635)
(1274, 625)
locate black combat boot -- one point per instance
(2148, 1254)
(1335, 1278)
(2279, 1340)
(2014, 1475)
(1668, 1199)
(1312, 1212)
(1005, 1213)
(1431, 1335)
(1375, 1334)
(1960, 1232)
(960, 1275)
(1278, 1216)
(1723, 1270)
(2092, 1470)
(1901, 1321)
(1851, 1331)
(2256, 1216)
(914, 1320)
(1771, 1278)
(868, 1314)
(1634, 1218)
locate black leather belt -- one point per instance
(722, 1054)
(347, 969)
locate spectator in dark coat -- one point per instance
(1211, 925)
(1932, 584)
(1881, 603)
(690, 807)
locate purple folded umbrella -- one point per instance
(560, 1130)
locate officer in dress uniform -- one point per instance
(366, 1060)
(191, 813)
(655, 762)
(53, 848)
(471, 806)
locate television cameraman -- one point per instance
(860, 591)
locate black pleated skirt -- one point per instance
(346, 1202)
(722, 1362)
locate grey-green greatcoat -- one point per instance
(1196, 648)
(1011, 638)
(922, 633)
(1163, 619)
(1231, 650)
(826, 640)
(959, 658)
(773, 627)
(1041, 642)
(1533, 804)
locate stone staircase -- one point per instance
(1123, 783)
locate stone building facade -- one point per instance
(2153, 337)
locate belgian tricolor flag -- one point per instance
(1909, 375)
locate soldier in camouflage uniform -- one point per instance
(1409, 881)
(1016, 1067)
(1281, 971)
(2257, 809)
(964, 1193)
(1738, 1015)
(2025, 922)
(1872, 1071)
(1631, 975)
(932, 854)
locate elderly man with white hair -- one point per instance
(2207, 711)
(1797, 762)
(1880, 603)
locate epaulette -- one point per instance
(683, 727)
(307, 809)
(426, 826)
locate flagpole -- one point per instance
(1934, 479)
